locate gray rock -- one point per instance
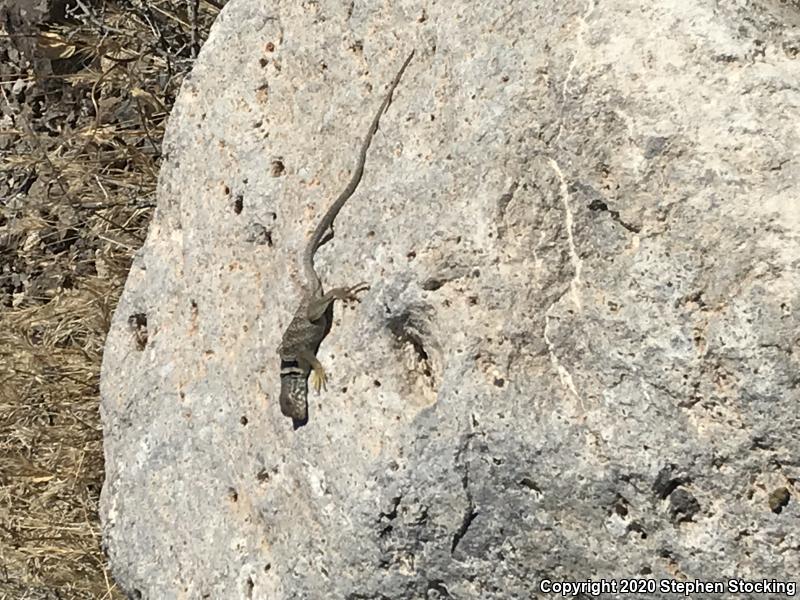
(578, 358)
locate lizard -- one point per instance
(311, 321)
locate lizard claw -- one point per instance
(319, 379)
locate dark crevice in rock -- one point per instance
(408, 329)
(469, 512)
(137, 323)
(469, 517)
(433, 283)
(666, 483)
(683, 506)
(598, 205)
(438, 587)
(778, 500)
(385, 518)
(392, 514)
(637, 528)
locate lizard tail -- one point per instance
(327, 220)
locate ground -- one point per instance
(85, 91)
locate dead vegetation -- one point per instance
(85, 89)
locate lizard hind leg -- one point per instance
(319, 379)
(317, 307)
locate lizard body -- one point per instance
(311, 320)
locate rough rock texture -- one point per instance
(579, 354)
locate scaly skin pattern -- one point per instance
(310, 323)
(301, 334)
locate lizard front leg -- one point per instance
(318, 306)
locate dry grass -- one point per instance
(83, 100)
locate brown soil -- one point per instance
(85, 90)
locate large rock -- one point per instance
(579, 354)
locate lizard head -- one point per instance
(294, 391)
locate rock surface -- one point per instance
(579, 354)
